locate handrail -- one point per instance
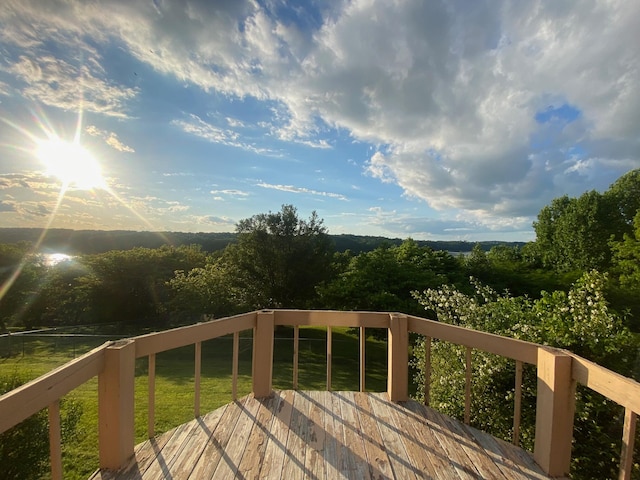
(114, 364)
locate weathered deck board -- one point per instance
(325, 435)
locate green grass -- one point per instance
(175, 379)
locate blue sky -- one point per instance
(431, 120)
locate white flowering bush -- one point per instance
(578, 320)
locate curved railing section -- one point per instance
(558, 372)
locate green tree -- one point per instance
(579, 320)
(279, 259)
(383, 278)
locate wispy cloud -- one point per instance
(292, 189)
(110, 138)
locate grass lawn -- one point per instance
(174, 379)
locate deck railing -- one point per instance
(558, 372)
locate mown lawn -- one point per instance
(175, 379)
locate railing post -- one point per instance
(263, 354)
(115, 405)
(398, 357)
(554, 412)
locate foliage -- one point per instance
(24, 448)
(574, 233)
(382, 280)
(578, 320)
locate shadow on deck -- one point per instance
(318, 435)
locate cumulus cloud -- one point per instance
(450, 93)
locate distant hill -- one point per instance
(74, 242)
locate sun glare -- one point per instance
(70, 162)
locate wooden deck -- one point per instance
(325, 435)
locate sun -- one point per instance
(71, 163)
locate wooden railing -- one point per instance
(113, 363)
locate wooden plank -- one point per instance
(363, 342)
(30, 398)
(144, 455)
(200, 332)
(329, 358)
(194, 443)
(237, 445)
(151, 396)
(262, 359)
(332, 318)
(159, 468)
(391, 436)
(215, 448)
(514, 462)
(517, 404)
(424, 452)
(376, 454)
(628, 439)
(427, 370)
(255, 450)
(55, 440)
(507, 347)
(622, 390)
(335, 461)
(398, 364)
(234, 366)
(277, 439)
(482, 462)
(314, 455)
(354, 433)
(196, 378)
(458, 458)
(296, 355)
(467, 386)
(293, 466)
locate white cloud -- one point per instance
(292, 189)
(110, 138)
(448, 92)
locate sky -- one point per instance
(435, 120)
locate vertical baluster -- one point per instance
(517, 404)
(151, 413)
(467, 390)
(628, 438)
(363, 341)
(198, 370)
(296, 343)
(427, 370)
(234, 366)
(329, 358)
(55, 447)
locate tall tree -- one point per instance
(279, 259)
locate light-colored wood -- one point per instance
(506, 347)
(554, 412)
(151, 395)
(622, 390)
(236, 446)
(296, 355)
(275, 451)
(427, 371)
(256, 447)
(517, 404)
(628, 439)
(363, 342)
(376, 455)
(215, 450)
(467, 386)
(398, 358)
(332, 318)
(55, 441)
(234, 366)
(115, 405)
(196, 378)
(200, 332)
(318, 435)
(28, 399)
(329, 358)
(263, 354)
